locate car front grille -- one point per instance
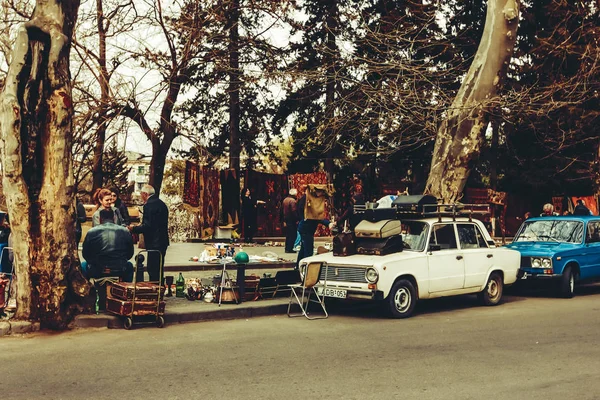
(343, 273)
(525, 262)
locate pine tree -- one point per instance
(552, 107)
(231, 79)
(115, 170)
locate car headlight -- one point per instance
(546, 263)
(541, 263)
(371, 275)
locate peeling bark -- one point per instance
(460, 136)
(36, 113)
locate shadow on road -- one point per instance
(549, 290)
(443, 304)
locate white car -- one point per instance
(440, 257)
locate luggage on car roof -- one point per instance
(414, 203)
(380, 229)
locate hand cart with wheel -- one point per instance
(133, 300)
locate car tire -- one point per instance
(567, 283)
(492, 293)
(402, 299)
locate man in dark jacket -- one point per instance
(581, 209)
(290, 220)
(81, 218)
(155, 227)
(108, 246)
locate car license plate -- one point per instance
(329, 292)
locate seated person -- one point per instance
(5, 261)
(108, 246)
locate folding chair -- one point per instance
(284, 278)
(309, 286)
(267, 287)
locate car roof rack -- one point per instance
(456, 210)
(372, 213)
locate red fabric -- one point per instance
(230, 196)
(588, 201)
(210, 201)
(191, 188)
(557, 202)
(272, 189)
(299, 181)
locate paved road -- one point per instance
(532, 347)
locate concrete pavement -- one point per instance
(180, 259)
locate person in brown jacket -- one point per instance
(290, 220)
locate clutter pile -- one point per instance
(227, 252)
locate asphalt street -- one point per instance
(529, 347)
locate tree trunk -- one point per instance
(332, 29)
(459, 138)
(158, 162)
(234, 87)
(103, 77)
(36, 113)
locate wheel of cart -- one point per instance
(136, 300)
(158, 314)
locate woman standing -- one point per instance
(105, 199)
(120, 206)
(249, 211)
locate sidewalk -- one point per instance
(180, 310)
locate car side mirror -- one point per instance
(435, 247)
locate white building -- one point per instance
(140, 170)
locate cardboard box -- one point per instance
(223, 232)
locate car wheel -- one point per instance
(402, 299)
(567, 283)
(492, 294)
(127, 323)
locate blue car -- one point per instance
(564, 250)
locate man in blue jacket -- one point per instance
(108, 247)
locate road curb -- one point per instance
(179, 316)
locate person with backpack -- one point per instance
(307, 229)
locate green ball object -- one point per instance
(241, 258)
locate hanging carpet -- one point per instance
(272, 189)
(230, 195)
(300, 181)
(191, 188)
(210, 201)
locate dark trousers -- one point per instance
(249, 229)
(154, 264)
(307, 229)
(291, 230)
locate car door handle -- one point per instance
(459, 257)
(490, 255)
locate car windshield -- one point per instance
(414, 235)
(551, 230)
